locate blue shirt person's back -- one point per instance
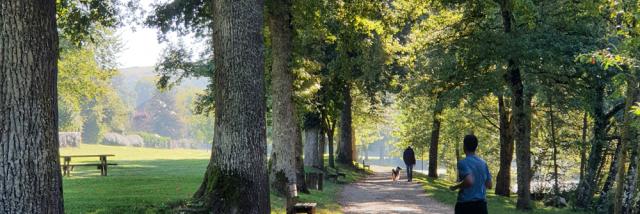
(476, 167)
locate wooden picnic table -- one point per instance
(67, 166)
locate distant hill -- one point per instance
(136, 85)
(135, 74)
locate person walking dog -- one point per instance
(409, 158)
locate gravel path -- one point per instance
(378, 194)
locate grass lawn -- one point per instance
(439, 190)
(149, 180)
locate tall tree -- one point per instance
(521, 113)
(313, 148)
(286, 132)
(435, 138)
(236, 180)
(346, 150)
(29, 161)
(626, 184)
(503, 179)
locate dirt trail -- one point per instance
(378, 194)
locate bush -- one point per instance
(154, 140)
(115, 139)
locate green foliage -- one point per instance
(154, 140)
(86, 98)
(82, 21)
(185, 17)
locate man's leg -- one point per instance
(411, 171)
(483, 208)
(462, 208)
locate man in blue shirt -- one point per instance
(474, 179)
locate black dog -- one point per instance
(395, 174)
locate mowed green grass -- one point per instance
(439, 190)
(151, 180)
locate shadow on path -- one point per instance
(378, 194)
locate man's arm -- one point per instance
(488, 184)
(465, 183)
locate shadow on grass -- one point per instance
(156, 186)
(132, 186)
(439, 189)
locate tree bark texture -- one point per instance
(345, 153)
(626, 184)
(587, 185)
(583, 149)
(30, 174)
(312, 155)
(435, 138)
(286, 133)
(521, 115)
(522, 135)
(299, 162)
(603, 205)
(322, 145)
(503, 179)
(236, 180)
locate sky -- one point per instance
(140, 44)
(141, 47)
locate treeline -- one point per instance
(96, 98)
(554, 82)
(449, 62)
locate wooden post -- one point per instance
(320, 180)
(65, 166)
(292, 199)
(103, 165)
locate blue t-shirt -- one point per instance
(476, 167)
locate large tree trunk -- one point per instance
(345, 152)
(522, 135)
(312, 154)
(435, 138)
(30, 179)
(503, 180)
(236, 180)
(587, 185)
(521, 116)
(286, 159)
(626, 185)
(603, 205)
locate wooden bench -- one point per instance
(335, 176)
(103, 166)
(309, 208)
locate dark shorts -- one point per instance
(472, 207)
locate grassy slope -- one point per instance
(438, 189)
(145, 180)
